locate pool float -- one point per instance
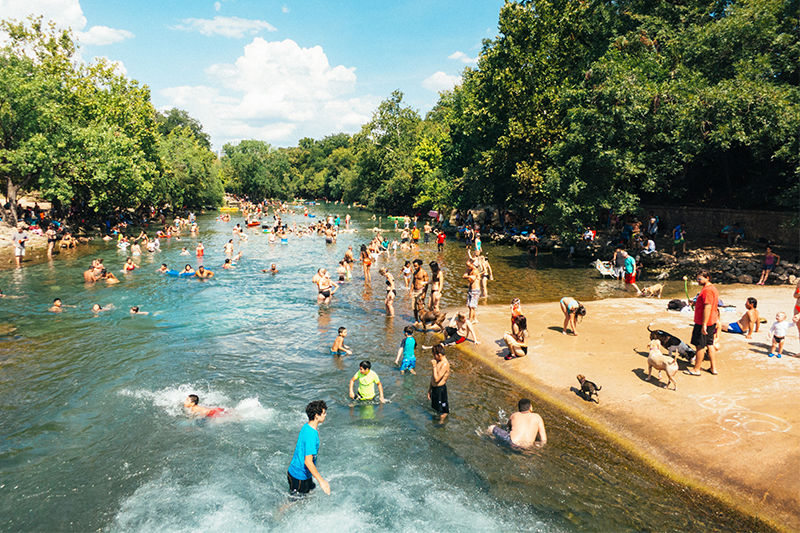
(253, 224)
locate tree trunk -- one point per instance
(10, 214)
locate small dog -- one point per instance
(653, 291)
(588, 388)
(661, 362)
(672, 343)
(430, 317)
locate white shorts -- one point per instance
(19, 252)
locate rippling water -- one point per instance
(93, 435)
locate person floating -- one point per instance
(304, 461)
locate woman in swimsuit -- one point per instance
(366, 262)
(437, 282)
(52, 237)
(770, 262)
(517, 339)
(130, 266)
(136, 249)
(571, 309)
(407, 273)
(325, 286)
(390, 291)
(486, 274)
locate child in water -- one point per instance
(339, 347)
(406, 351)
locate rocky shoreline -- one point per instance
(728, 265)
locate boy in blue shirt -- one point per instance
(303, 466)
(406, 351)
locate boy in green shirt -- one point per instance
(366, 383)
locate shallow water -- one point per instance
(93, 435)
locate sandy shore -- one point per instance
(735, 435)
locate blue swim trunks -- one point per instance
(408, 363)
(733, 327)
(340, 352)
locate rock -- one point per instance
(744, 278)
(751, 267)
(792, 279)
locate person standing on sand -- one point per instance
(705, 324)
(523, 427)
(437, 390)
(304, 461)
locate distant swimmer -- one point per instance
(339, 347)
(96, 308)
(57, 307)
(184, 251)
(200, 250)
(211, 412)
(304, 460)
(130, 265)
(188, 270)
(367, 379)
(163, 269)
(203, 273)
(271, 270)
(227, 265)
(135, 311)
(523, 427)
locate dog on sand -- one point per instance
(588, 388)
(659, 361)
(653, 291)
(672, 343)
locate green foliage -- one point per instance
(178, 118)
(191, 178)
(255, 169)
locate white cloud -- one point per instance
(276, 92)
(226, 26)
(461, 56)
(285, 8)
(217, 6)
(102, 35)
(118, 65)
(441, 82)
(66, 14)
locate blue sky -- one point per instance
(278, 71)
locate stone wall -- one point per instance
(779, 227)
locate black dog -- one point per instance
(588, 388)
(671, 343)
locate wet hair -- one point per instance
(228, 260)
(317, 407)
(341, 278)
(434, 267)
(407, 263)
(418, 262)
(752, 301)
(524, 404)
(363, 247)
(703, 272)
(522, 322)
(381, 271)
(164, 265)
(57, 300)
(194, 399)
(366, 365)
(135, 308)
(187, 266)
(438, 350)
(408, 330)
(96, 306)
(342, 330)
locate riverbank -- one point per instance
(734, 435)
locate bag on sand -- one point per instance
(676, 305)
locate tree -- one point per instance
(178, 118)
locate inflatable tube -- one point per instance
(186, 274)
(312, 216)
(172, 272)
(253, 224)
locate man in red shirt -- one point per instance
(440, 237)
(705, 323)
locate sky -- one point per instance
(278, 71)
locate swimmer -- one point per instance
(191, 402)
(203, 273)
(135, 311)
(96, 308)
(57, 307)
(184, 251)
(238, 256)
(162, 269)
(228, 265)
(272, 270)
(339, 347)
(188, 270)
(110, 278)
(200, 250)
(130, 266)
(523, 427)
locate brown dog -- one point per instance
(653, 291)
(430, 317)
(660, 362)
(588, 388)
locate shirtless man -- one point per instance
(459, 330)
(473, 277)
(203, 273)
(89, 276)
(748, 323)
(56, 306)
(523, 427)
(419, 285)
(191, 402)
(437, 390)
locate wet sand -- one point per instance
(735, 435)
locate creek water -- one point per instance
(93, 435)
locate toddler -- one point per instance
(778, 334)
